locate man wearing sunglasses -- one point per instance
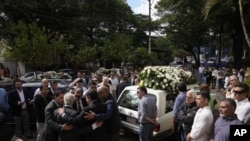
(241, 91)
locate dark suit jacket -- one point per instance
(51, 128)
(120, 88)
(129, 80)
(39, 104)
(67, 135)
(84, 104)
(99, 134)
(13, 98)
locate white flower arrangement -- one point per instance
(164, 77)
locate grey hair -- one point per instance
(193, 92)
(69, 99)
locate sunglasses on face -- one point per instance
(77, 96)
(238, 92)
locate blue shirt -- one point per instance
(4, 105)
(178, 101)
(221, 130)
(146, 108)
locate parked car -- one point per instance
(69, 71)
(27, 77)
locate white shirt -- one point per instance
(21, 95)
(202, 126)
(215, 73)
(201, 69)
(243, 110)
(114, 82)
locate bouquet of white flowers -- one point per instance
(164, 77)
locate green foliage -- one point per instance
(140, 58)
(34, 46)
(116, 47)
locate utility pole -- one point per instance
(149, 27)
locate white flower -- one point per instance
(161, 77)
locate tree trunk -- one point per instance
(237, 38)
(243, 23)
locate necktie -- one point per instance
(79, 106)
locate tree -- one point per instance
(233, 12)
(209, 5)
(184, 25)
(34, 46)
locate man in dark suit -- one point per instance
(80, 101)
(96, 106)
(20, 104)
(111, 117)
(124, 83)
(132, 77)
(52, 128)
(68, 115)
(40, 102)
(69, 135)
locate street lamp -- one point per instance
(149, 27)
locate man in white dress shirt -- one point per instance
(241, 91)
(203, 120)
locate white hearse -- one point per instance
(128, 104)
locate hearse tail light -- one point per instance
(157, 128)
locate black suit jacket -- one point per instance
(51, 128)
(67, 135)
(120, 88)
(39, 104)
(13, 98)
(99, 134)
(84, 104)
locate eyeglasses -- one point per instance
(238, 92)
(77, 96)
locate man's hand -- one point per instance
(98, 124)
(188, 137)
(60, 111)
(67, 127)
(89, 116)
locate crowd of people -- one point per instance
(194, 117)
(87, 111)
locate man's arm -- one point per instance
(49, 118)
(102, 116)
(64, 118)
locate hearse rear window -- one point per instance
(130, 100)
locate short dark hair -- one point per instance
(92, 94)
(244, 86)
(53, 82)
(143, 89)
(125, 79)
(80, 81)
(204, 94)
(182, 87)
(92, 83)
(231, 102)
(58, 93)
(42, 86)
(18, 80)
